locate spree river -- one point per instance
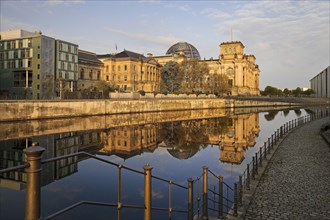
(175, 144)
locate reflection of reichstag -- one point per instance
(182, 139)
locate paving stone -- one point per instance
(296, 182)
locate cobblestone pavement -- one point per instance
(296, 183)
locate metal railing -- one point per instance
(224, 199)
(243, 183)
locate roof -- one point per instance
(103, 56)
(129, 54)
(85, 56)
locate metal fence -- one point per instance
(213, 194)
(243, 183)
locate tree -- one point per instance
(308, 92)
(269, 90)
(193, 75)
(171, 79)
(105, 88)
(297, 91)
(217, 84)
(286, 92)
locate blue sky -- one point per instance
(290, 39)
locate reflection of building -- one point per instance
(131, 71)
(34, 66)
(11, 154)
(320, 84)
(126, 142)
(240, 135)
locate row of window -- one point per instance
(95, 76)
(16, 44)
(68, 48)
(67, 66)
(17, 54)
(149, 77)
(68, 75)
(68, 57)
(15, 64)
(147, 68)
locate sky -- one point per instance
(290, 39)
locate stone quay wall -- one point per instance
(26, 110)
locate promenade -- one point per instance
(296, 182)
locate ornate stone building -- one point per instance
(131, 71)
(89, 69)
(241, 69)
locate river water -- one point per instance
(175, 144)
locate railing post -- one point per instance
(235, 199)
(205, 190)
(32, 204)
(147, 192)
(119, 206)
(190, 199)
(268, 145)
(248, 176)
(265, 151)
(256, 160)
(240, 191)
(281, 131)
(253, 168)
(220, 213)
(260, 156)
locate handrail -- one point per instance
(15, 168)
(261, 155)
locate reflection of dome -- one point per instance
(182, 155)
(183, 47)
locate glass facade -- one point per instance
(183, 47)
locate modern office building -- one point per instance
(35, 66)
(320, 84)
(131, 71)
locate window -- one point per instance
(98, 75)
(125, 67)
(113, 67)
(118, 68)
(38, 66)
(38, 76)
(107, 77)
(29, 63)
(107, 68)
(38, 86)
(125, 78)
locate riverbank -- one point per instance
(295, 182)
(46, 109)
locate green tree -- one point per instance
(286, 92)
(309, 92)
(217, 84)
(105, 88)
(269, 90)
(193, 75)
(171, 79)
(297, 91)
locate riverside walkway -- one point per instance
(296, 182)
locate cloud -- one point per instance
(142, 37)
(63, 2)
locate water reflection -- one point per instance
(182, 139)
(177, 144)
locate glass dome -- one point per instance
(183, 47)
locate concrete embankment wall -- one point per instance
(25, 110)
